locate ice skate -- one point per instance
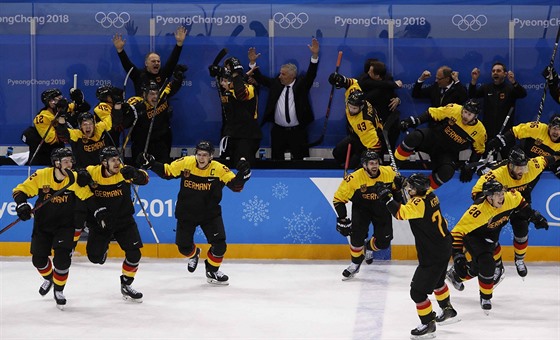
(448, 316)
(369, 256)
(60, 299)
(45, 287)
(424, 331)
(217, 278)
(129, 293)
(454, 279)
(192, 263)
(499, 275)
(486, 305)
(349, 272)
(521, 267)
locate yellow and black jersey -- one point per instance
(365, 124)
(358, 188)
(535, 167)
(537, 140)
(43, 184)
(86, 150)
(103, 112)
(483, 221)
(114, 192)
(43, 120)
(459, 135)
(200, 190)
(429, 227)
(241, 111)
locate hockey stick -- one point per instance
(135, 190)
(216, 61)
(554, 224)
(348, 152)
(324, 131)
(71, 180)
(127, 137)
(551, 64)
(160, 99)
(391, 156)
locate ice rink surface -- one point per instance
(266, 300)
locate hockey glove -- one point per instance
(23, 211)
(549, 73)
(62, 106)
(77, 96)
(556, 169)
(539, 220)
(410, 122)
(117, 95)
(460, 265)
(496, 143)
(101, 215)
(244, 169)
(344, 226)
(382, 191)
(179, 72)
(145, 160)
(129, 172)
(466, 174)
(399, 182)
(215, 70)
(84, 178)
(338, 80)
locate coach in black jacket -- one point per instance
(446, 90)
(289, 132)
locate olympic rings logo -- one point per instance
(469, 21)
(112, 19)
(291, 19)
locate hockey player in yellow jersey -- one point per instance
(433, 246)
(458, 130)
(363, 123)
(110, 183)
(538, 139)
(54, 226)
(520, 174)
(367, 209)
(198, 203)
(478, 231)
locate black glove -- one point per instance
(117, 95)
(466, 174)
(382, 191)
(549, 73)
(410, 122)
(496, 143)
(129, 172)
(244, 169)
(84, 178)
(460, 265)
(556, 169)
(539, 220)
(399, 182)
(215, 70)
(62, 105)
(101, 215)
(178, 72)
(338, 80)
(145, 160)
(77, 96)
(234, 65)
(344, 226)
(23, 211)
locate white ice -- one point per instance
(266, 300)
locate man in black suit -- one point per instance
(292, 116)
(446, 90)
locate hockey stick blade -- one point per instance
(220, 56)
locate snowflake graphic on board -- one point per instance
(255, 210)
(280, 190)
(451, 221)
(302, 228)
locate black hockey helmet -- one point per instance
(108, 152)
(369, 155)
(472, 106)
(231, 62)
(150, 86)
(491, 187)
(85, 116)
(204, 146)
(49, 94)
(517, 157)
(103, 92)
(356, 98)
(419, 182)
(59, 153)
(554, 121)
